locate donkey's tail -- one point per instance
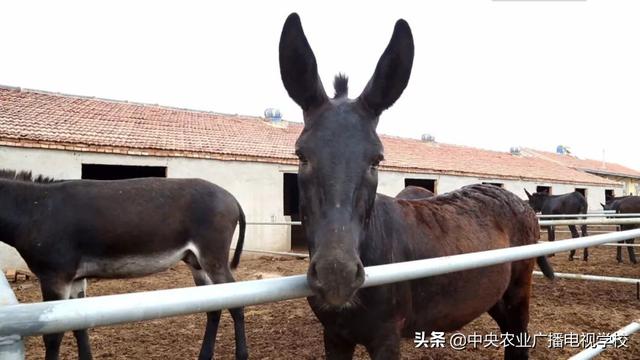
(243, 225)
(544, 265)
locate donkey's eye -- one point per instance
(301, 157)
(376, 162)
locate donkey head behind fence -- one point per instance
(338, 181)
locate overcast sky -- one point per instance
(489, 74)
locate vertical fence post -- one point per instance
(11, 346)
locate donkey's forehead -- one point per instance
(340, 120)
(339, 109)
(341, 115)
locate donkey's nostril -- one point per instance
(312, 270)
(312, 275)
(359, 275)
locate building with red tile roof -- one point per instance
(72, 137)
(612, 171)
(37, 119)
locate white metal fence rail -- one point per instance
(592, 277)
(612, 215)
(65, 315)
(607, 244)
(600, 347)
(617, 220)
(599, 221)
(564, 220)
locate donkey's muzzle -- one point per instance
(335, 281)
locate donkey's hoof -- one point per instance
(585, 259)
(570, 258)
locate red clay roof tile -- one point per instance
(39, 119)
(589, 165)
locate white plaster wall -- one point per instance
(257, 186)
(10, 259)
(390, 183)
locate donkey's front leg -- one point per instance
(386, 344)
(630, 250)
(337, 348)
(551, 236)
(79, 290)
(53, 288)
(574, 234)
(586, 250)
(619, 251)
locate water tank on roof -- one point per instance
(273, 115)
(561, 149)
(428, 138)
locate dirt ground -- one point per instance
(288, 329)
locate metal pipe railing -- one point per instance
(11, 346)
(65, 315)
(591, 277)
(621, 245)
(604, 221)
(269, 252)
(274, 223)
(592, 352)
(612, 215)
(608, 244)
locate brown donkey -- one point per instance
(349, 226)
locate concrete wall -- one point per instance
(630, 186)
(257, 186)
(390, 183)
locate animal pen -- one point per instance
(19, 320)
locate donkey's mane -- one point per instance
(341, 85)
(25, 176)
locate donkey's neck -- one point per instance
(16, 208)
(382, 232)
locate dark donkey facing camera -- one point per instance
(349, 226)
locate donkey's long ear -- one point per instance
(392, 72)
(298, 67)
(528, 195)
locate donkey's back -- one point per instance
(569, 203)
(473, 212)
(474, 218)
(125, 228)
